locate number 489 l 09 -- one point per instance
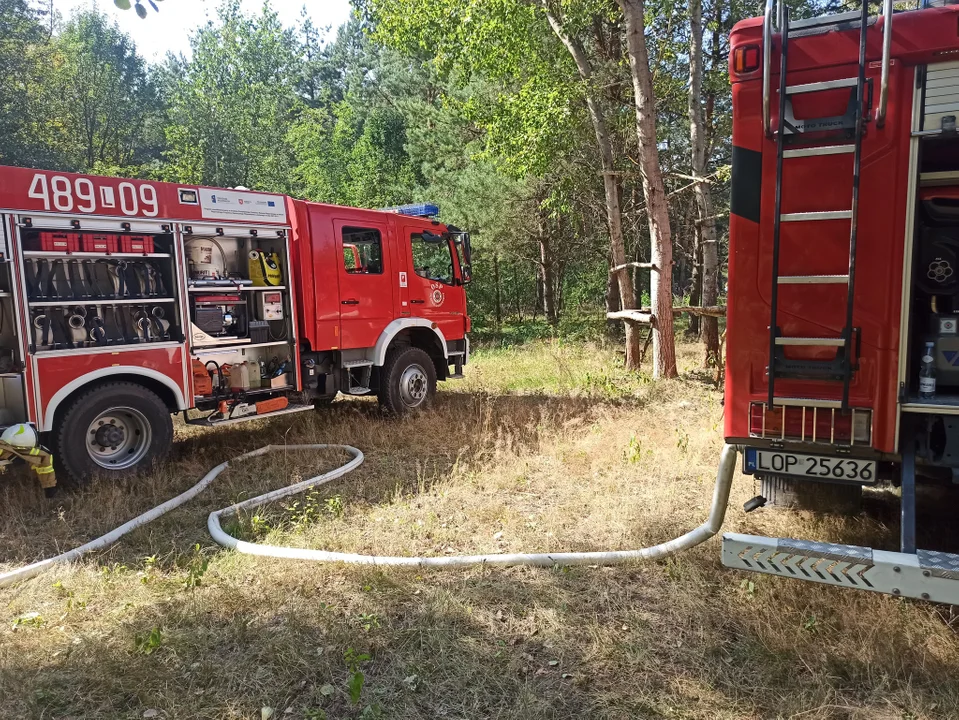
(81, 195)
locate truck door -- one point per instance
(366, 292)
(435, 285)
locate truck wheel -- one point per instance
(408, 381)
(112, 430)
(836, 498)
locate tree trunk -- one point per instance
(696, 282)
(612, 304)
(705, 223)
(610, 186)
(661, 249)
(548, 286)
(499, 291)
(516, 299)
(538, 300)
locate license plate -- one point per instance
(814, 467)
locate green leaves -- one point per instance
(148, 643)
(93, 102)
(232, 104)
(354, 686)
(140, 10)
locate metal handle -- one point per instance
(886, 49)
(350, 302)
(767, 65)
(417, 302)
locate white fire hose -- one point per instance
(717, 512)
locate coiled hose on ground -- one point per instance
(717, 512)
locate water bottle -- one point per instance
(927, 374)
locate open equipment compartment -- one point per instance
(97, 284)
(934, 287)
(242, 338)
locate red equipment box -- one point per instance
(100, 243)
(136, 244)
(52, 242)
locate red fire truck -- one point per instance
(123, 302)
(844, 279)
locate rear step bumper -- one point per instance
(927, 575)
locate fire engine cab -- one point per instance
(123, 302)
(843, 309)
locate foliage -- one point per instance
(21, 36)
(196, 568)
(149, 642)
(230, 104)
(138, 6)
(101, 110)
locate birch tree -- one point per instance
(705, 216)
(654, 192)
(597, 116)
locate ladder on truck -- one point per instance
(818, 137)
(911, 572)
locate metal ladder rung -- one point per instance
(807, 402)
(820, 150)
(813, 279)
(810, 216)
(851, 124)
(811, 342)
(819, 86)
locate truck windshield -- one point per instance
(432, 260)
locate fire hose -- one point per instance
(717, 512)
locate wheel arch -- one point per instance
(416, 332)
(164, 387)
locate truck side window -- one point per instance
(362, 251)
(432, 261)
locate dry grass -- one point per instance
(599, 460)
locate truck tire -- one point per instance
(113, 430)
(408, 381)
(835, 498)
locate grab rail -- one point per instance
(886, 62)
(767, 65)
(771, 7)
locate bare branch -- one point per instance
(639, 265)
(712, 311)
(634, 317)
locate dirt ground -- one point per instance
(545, 447)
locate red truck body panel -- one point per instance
(397, 292)
(824, 183)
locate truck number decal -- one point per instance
(62, 195)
